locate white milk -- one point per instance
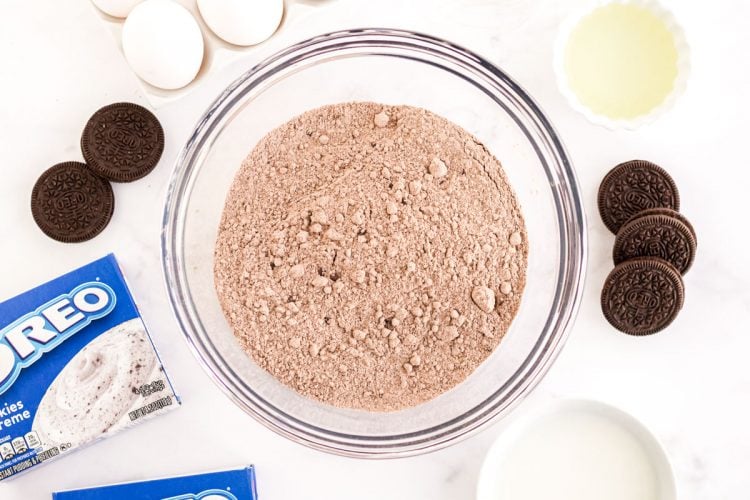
(578, 454)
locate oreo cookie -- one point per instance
(662, 236)
(632, 187)
(666, 212)
(70, 203)
(642, 296)
(122, 142)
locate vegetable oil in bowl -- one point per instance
(621, 61)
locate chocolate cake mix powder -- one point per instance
(370, 256)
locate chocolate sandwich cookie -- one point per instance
(660, 236)
(632, 187)
(666, 212)
(70, 203)
(122, 142)
(642, 296)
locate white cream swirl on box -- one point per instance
(76, 365)
(100, 387)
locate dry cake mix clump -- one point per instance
(370, 256)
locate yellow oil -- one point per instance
(621, 61)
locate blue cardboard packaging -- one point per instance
(238, 484)
(76, 365)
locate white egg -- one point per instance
(116, 8)
(163, 43)
(242, 22)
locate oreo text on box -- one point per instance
(238, 484)
(76, 365)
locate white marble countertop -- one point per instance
(690, 384)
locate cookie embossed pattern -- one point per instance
(122, 142)
(71, 204)
(657, 236)
(642, 296)
(634, 186)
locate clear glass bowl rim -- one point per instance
(565, 192)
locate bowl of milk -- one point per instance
(576, 450)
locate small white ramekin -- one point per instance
(683, 64)
(487, 487)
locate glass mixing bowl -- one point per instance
(395, 67)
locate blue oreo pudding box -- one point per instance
(76, 365)
(238, 484)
